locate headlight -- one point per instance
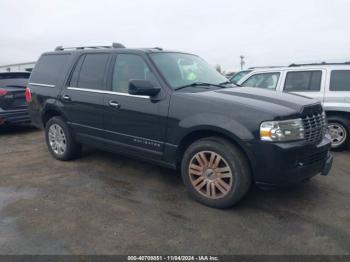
(287, 130)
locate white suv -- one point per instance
(329, 83)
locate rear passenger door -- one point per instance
(134, 124)
(82, 98)
(308, 83)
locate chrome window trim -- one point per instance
(104, 92)
(39, 84)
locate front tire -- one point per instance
(338, 128)
(216, 172)
(60, 140)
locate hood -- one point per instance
(278, 104)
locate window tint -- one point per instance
(14, 75)
(340, 80)
(265, 80)
(130, 67)
(49, 69)
(303, 81)
(90, 71)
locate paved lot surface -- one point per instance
(109, 204)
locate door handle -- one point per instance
(66, 97)
(114, 104)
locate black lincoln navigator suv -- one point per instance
(173, 109)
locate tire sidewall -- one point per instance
(235, 163)
(345, 125)
(58, 121)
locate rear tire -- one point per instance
(338, 128)
(216, 172)
(60, 140)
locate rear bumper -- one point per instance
(20, 116)
(284, 164)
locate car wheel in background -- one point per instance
(338, 129)
(216, 172)
(60, 140)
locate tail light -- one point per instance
(28, 95)
(3, 92)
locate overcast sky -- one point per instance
(267, 32)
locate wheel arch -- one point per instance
(49, 112)
(343, 114)
(195, 135)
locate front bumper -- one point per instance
(283, 164)
(19, 116)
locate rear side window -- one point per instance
(89, 72)
(303, 81)
(264, 80)
(340, 80)
(49, 69)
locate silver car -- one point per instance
(329, 83)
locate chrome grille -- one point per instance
(315, 127)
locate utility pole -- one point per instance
(242, 61)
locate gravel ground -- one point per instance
(108, 204)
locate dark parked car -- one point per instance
(13, 106)
(173, 109)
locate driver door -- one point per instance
(134, 123)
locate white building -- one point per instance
(20, 67)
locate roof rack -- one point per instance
(258, 67)
(322, 63)
(114, 45)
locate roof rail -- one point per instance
(322, 63)
(114, 45)
(258, 67)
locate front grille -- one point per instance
(315, 124)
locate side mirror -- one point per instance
(142, 88)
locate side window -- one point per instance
(49, 68)
(238, 76)
(128, 66)
(340, 80)
(89, 72)
(307, 81)
(264, 80)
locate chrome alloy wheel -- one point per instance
(210, 174)
(57, 139)
(338, 134)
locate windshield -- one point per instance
(184, 69)
(238, 76)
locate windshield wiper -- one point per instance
(229, 83)
(199, 84)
